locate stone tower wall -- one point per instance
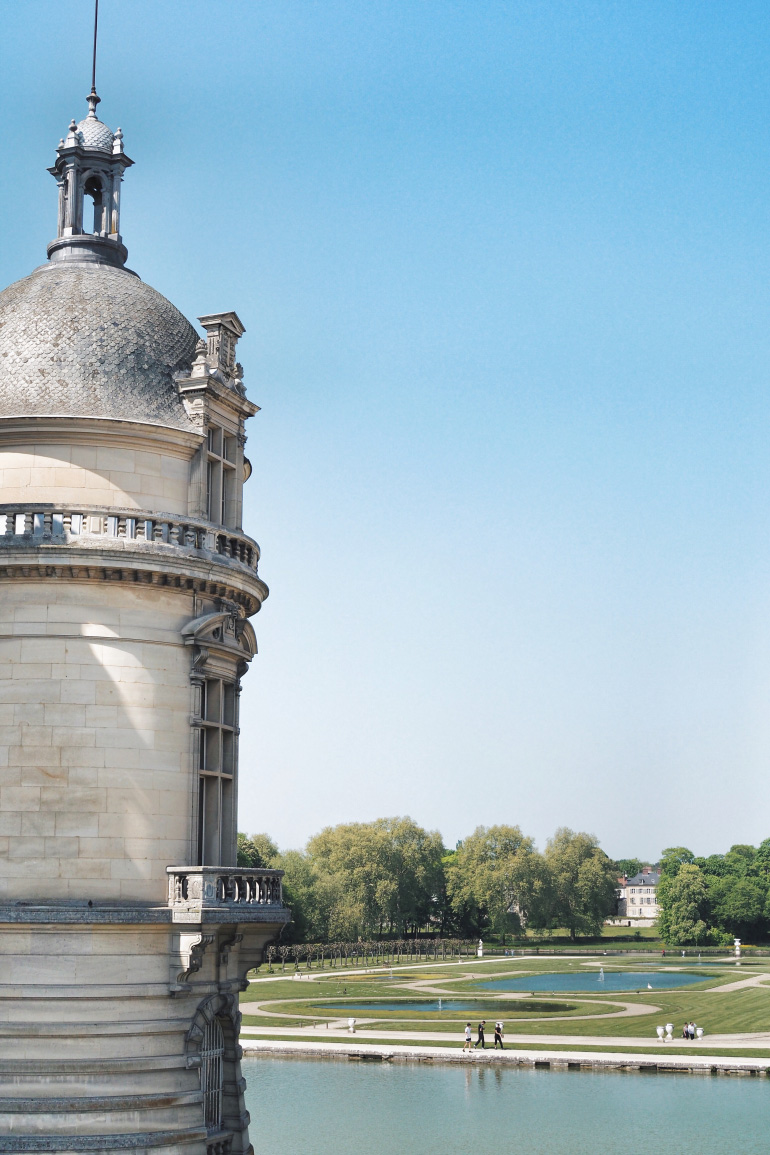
(95, 699)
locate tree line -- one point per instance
(392, 879)
(709, 901)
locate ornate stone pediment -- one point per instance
(221, 639)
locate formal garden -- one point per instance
(577, 1001)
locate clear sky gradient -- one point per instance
(504, 272)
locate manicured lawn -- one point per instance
(718, 1011)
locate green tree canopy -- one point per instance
(672, 859)
(737, 904)
(582, 882)
(256, 850)
(629, 866)
(683, 898)
(495, 879)
(377, 876)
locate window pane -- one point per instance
(213, 701)
(211, 742)
(228, 822)
(201, 812)
(228, 716)
(214, 476)
(211, 822)
(228, 752)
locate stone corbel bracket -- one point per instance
(225, 946)
(188, 958)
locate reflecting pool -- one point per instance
(332, 1107)
(590, 981)
(436, 1005)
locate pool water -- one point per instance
(461, 1007)
(590, 981)
(332, 1107)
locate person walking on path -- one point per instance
(468, 1045)
(691, 1031)
(499, 1036)
(480, 1039)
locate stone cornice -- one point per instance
(205, 579)
(75, 914)
(142, 436)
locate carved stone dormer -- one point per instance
(90, 163)
(215, 379)
(215, 401)
(222, 333)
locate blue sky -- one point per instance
(503, 269)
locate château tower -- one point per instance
(127, 585)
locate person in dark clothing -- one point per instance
(499, 1036)
(480, 1039)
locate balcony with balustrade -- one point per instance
(226, 894)
(36, 525)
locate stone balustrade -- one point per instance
(219, 1145)
(33, 523)
(236, 889)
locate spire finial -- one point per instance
(93, 66)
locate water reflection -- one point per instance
(343, 1108)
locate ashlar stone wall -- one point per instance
(70, 464)
(97, 789)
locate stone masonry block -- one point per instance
(55, 798)
(19, 798)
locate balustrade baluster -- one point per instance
(157, 532)
(173, 533)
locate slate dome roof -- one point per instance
(94, 133)
(90, 340)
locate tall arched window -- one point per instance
(212, 1073)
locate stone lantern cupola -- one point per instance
(89, 165)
